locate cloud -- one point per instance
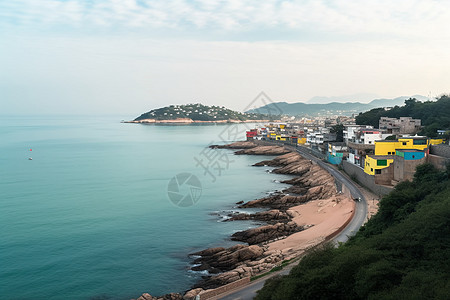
(383, 18)
(131, 75)
(126, 55)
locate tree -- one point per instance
(339, 130)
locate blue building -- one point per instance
(410, 154)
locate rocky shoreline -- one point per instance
(286, 232)
(190, 121)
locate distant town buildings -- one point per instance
(388, 161)
(403, 125)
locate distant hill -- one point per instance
(295, 109)
(399, 101)
(199, 112)
(362, 97)
(333, 108)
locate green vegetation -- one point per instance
(391, 138)
(331, 108)
(274, 269)
(403, 252)
(434, 114)
(339, 130)
(305, 109)
(200, 112)
(284, 263)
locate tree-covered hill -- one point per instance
(200, 112)
(435, 115)
(331, 108)
(305, 109)
(403, 252)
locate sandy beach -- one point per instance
(321, 217)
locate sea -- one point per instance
(92, 208)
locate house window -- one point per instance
(413, 156)
(419, 142)
(404, 143)
(371, 169)
(378, 171)
(382, 162)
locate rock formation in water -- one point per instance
(226, 265)
(235, 263)
(271, 216)
(311, 182)
(266, 233)
(171, 296)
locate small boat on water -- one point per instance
(30, 158)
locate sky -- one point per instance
(130, 56)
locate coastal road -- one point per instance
(249, 291)
(360, 207)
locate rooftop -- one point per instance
(408, 150)
(377, 157)
(386, 141)
(413, 138)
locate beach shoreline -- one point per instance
(308, 213)
(186, 121)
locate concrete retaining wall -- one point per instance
(439, 162)
(440, 150)
(365, 179)
(342, 227)
(209, 294)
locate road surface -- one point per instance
(249, 291)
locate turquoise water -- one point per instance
(89, 217)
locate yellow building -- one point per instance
(386, 147)
(301, 141)
(436, 141)
(389, 147)
(374, 163)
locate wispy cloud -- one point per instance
(403, 18)
(137, 54)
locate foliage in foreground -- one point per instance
(403, 252)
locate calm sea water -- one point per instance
(89, 217)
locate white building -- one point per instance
(350, 132)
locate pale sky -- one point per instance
(130, 56)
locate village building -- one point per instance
(403, 125)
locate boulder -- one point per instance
(190, 295)
(266, 233)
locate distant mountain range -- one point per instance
(333, 108)
(361, 97)
(399, 101)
